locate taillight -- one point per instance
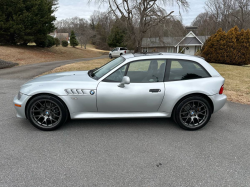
(221, 89)
(125, 52)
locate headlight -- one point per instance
(19, 95)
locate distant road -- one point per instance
(32, 70)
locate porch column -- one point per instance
(178, 48)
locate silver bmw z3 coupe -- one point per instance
(163, 85)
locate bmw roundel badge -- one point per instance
(92, 92)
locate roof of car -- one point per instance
(169, 55)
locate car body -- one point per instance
(131, 86)
(118, 51)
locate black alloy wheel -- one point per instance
(193, 113)
(47, 112)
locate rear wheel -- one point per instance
(193, 113)
(47, 112)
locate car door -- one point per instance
(144, 93)
(115, 52)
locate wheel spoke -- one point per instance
(56, 115)
(37, 110)
(187, 119)
(40, 103)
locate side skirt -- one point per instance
(103, 115)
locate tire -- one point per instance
(110, 56)
(47, 112)
(192, 113)
(121, 54)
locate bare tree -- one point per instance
(80, 26)
(101, 23)
(226, 14)
(241, 12)
(206, 24)
(141, 15)
(84, 35)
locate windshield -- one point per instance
(107, 67)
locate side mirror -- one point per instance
(125, 80)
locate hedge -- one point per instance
(232, 47)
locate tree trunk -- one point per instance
(139, 46)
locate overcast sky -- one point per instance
(83, 9)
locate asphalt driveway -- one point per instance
(120, 152)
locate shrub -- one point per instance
(65, 43)
(41, 41)
(51, 41)
(228, 48)
(48, 41)
(57, 42)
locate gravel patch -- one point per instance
(4, 64)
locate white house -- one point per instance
(190, 44)
(60, 36)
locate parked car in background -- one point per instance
(183, 87)
(118, 51)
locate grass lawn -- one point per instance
(31, 54)
(237, 82)
(80, 66)
(237, 78)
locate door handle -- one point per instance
(154, 90)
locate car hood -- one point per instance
(56, 83)
(75, 76)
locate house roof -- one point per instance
(62, 34)
(160, 42)
(189, 39)
(203, 38)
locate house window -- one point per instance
(170, 50)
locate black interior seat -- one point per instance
(152, 73)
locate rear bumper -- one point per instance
(218, 101)
(22, 102)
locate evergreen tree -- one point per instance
(209, 47)
(116, 37)
(220, 46)
(228, 48)
(240, 52)
(57, 42)
(247, 45)
(231, 45)
(26, 21)
(73, 40)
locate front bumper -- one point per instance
(218, 101)
(22, 102)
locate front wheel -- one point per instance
(46, 112)
(110, 56)
(193, 113)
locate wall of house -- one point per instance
(159, 49)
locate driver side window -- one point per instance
(147, 71)
(117, 75)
